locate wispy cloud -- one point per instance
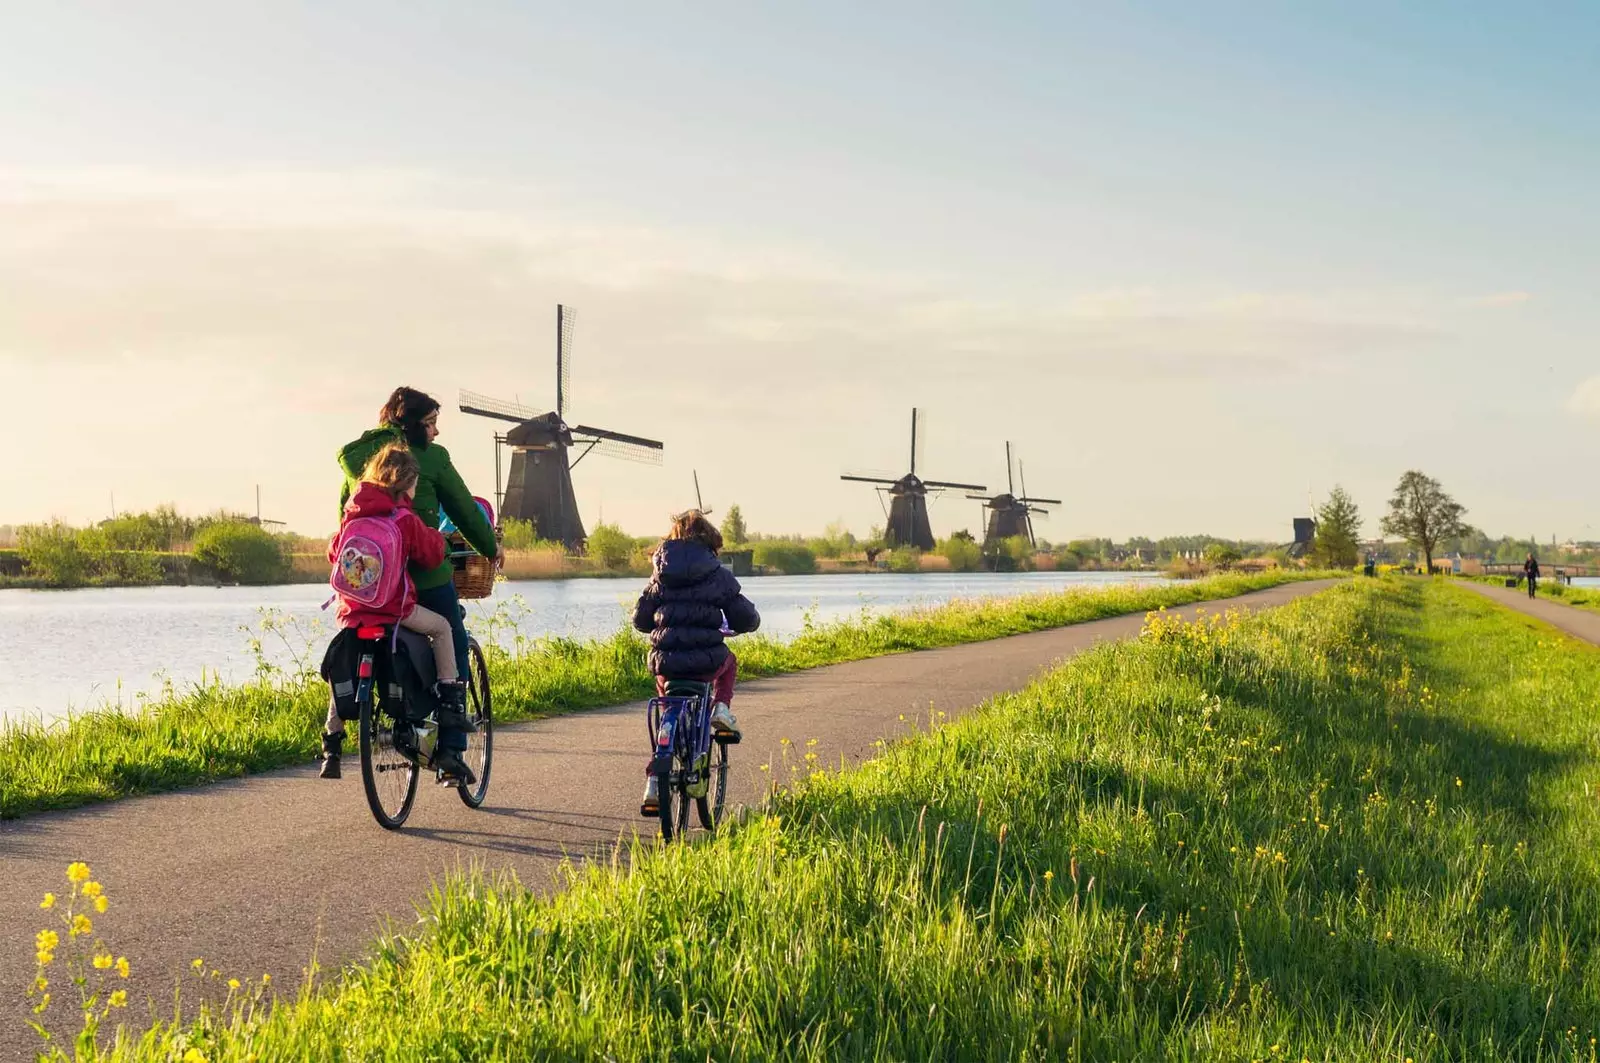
(1503, 299)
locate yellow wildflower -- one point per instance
(44, 956)
(119, 998)
(197, 963)
(92, 889)
(122, 966)
(266, 979)
(233, 983)
(40, 984)
(101, 904)
(194, 1055)
(47, 939)
(102, 962)
(49, 901)
(77, 872)
(1049, 876)
(81, 925)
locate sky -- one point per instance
(1198, 262)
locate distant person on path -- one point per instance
(690, 605)
(412, 418)
(1530, 568)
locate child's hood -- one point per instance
(681, 562)
(370, 500)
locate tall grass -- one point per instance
(1356, 828)
(212, 731)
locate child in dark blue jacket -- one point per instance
(691, 602)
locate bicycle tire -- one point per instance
(479, 754)
(674, 821)
(710, 807)
(379, 757)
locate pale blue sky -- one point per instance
(1194, 258)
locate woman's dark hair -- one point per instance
(405, 410)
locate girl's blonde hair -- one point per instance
(394, 468)
(692, 524)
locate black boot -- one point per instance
(452, 698)
(453, 771)
(331, 744)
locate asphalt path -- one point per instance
(1579, 623)
(258, 875)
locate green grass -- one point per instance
(1361, 827)
(212, 731)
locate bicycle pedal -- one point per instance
(649, 811)
(727, 738)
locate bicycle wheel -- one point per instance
(388, 775)
(670, 796)
(479, 754)
(710, 806)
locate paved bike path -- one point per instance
(256, 875)
(1580, 623)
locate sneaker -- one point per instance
(452, 769)
(651, 804)
(722, 720)
(452, 698)
(331, 746)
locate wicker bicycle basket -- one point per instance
(473, 576)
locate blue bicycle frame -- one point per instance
(680, 727)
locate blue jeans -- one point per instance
(443, 600)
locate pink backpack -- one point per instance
(369, 568)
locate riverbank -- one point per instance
(213, 731)
(1337, 830)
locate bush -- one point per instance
(241, 552)
(791, 559)
(963, 554)
(518, 534)
(610, 546)
(905, 559)
(55, 553)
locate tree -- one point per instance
(610, 545)
(244, 553)
(733, 529)
(1423, 515)
(1338, 541)
(963, 553)
(1221, 555)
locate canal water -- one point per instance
(62, 651)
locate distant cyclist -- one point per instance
(1530, 568)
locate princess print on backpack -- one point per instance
(369, 566)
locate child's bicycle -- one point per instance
(690, 760)
(394, 748)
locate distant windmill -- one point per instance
(539, 487)
(1010, 513)
(698, 502)
(908, 498)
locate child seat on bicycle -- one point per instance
(690, 603)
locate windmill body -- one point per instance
(907, 523)
(538, 486)
(1011, 514)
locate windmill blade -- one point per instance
(919, 436)
(985, 499)
(870, 479)
(1041, 501)
(616, 437)
(1011, 483)
(625, 451)
(947, 485)
(566, 319)
(485, 406)
(699, 503)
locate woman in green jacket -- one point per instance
(412, 417)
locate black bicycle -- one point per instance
(690, 762)
(395, 747)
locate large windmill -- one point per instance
(539, 487)
(908, 497)
(1010, 513)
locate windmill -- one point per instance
(907, 523)
(1010, 513)
(698, 503)
(539, 487)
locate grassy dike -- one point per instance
(1360, 827)
(216, 732)
(1581, 597)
